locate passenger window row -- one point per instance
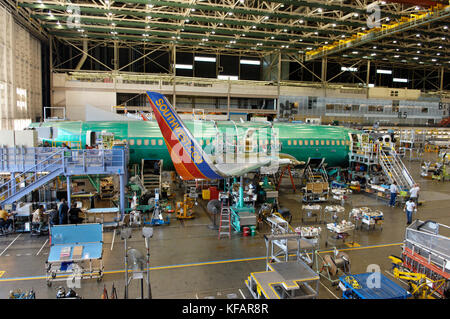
(317, 142)
(153, 142)
(138, 142)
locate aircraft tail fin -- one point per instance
(188, 157)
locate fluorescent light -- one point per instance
(384, 71)
(251, 62)
(400, 80)
(371, 85)
(228, 77)
(204, 59)
(183, 66)
(350, 69)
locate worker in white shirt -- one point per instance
(410, 206)
(394, 191)
(414, 193)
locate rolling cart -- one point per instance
(366, 216)
(73, 247)
(331, 213)
(312, 213)
(359, 287)
(310, 233)
(339, 232)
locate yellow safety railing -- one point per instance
(384, 27)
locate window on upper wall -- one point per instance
(207, 142)
(342, 142)
(153, 142)
(131, 142)
(328, 142)
(300, 142)
(337, 142)
(295, 142)
(317, 142)
(322, 142)
(306, 142)
(160, 142)
(146, 142)
(332, 142)
(425, 110)
(311, 142)
(289, 142)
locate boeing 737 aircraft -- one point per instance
(211, 144)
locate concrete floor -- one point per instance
(188, 261)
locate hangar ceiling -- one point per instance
(257, 27)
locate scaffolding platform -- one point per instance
(285, 280)
(33, 167)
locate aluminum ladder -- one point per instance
(394, 168)
(225, 217)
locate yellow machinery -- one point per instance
(420, 285)
(184, 209)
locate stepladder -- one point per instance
(225, 215)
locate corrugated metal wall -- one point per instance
(20, 75)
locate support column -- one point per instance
(228, 98)
(122, 195)
(13, 183)
(323, 75)
(241, 192)
(116, 56)
(69, 201)
(278, 83)
(441, 86)
(368, 77)
(51, 70)
(174, 71)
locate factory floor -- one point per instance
(189, 261)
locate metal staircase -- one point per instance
(150, 180)
(394, 168)
(315, 172)
(225, 216)
(31, 168)
(32, 178)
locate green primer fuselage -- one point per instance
(145, 140)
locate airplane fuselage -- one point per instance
(145, 140)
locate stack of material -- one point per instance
(308, 232)
(342, 227)
(334, 208)
(311, 207)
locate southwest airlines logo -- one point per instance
(178, 132)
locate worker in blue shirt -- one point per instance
(62, 212)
